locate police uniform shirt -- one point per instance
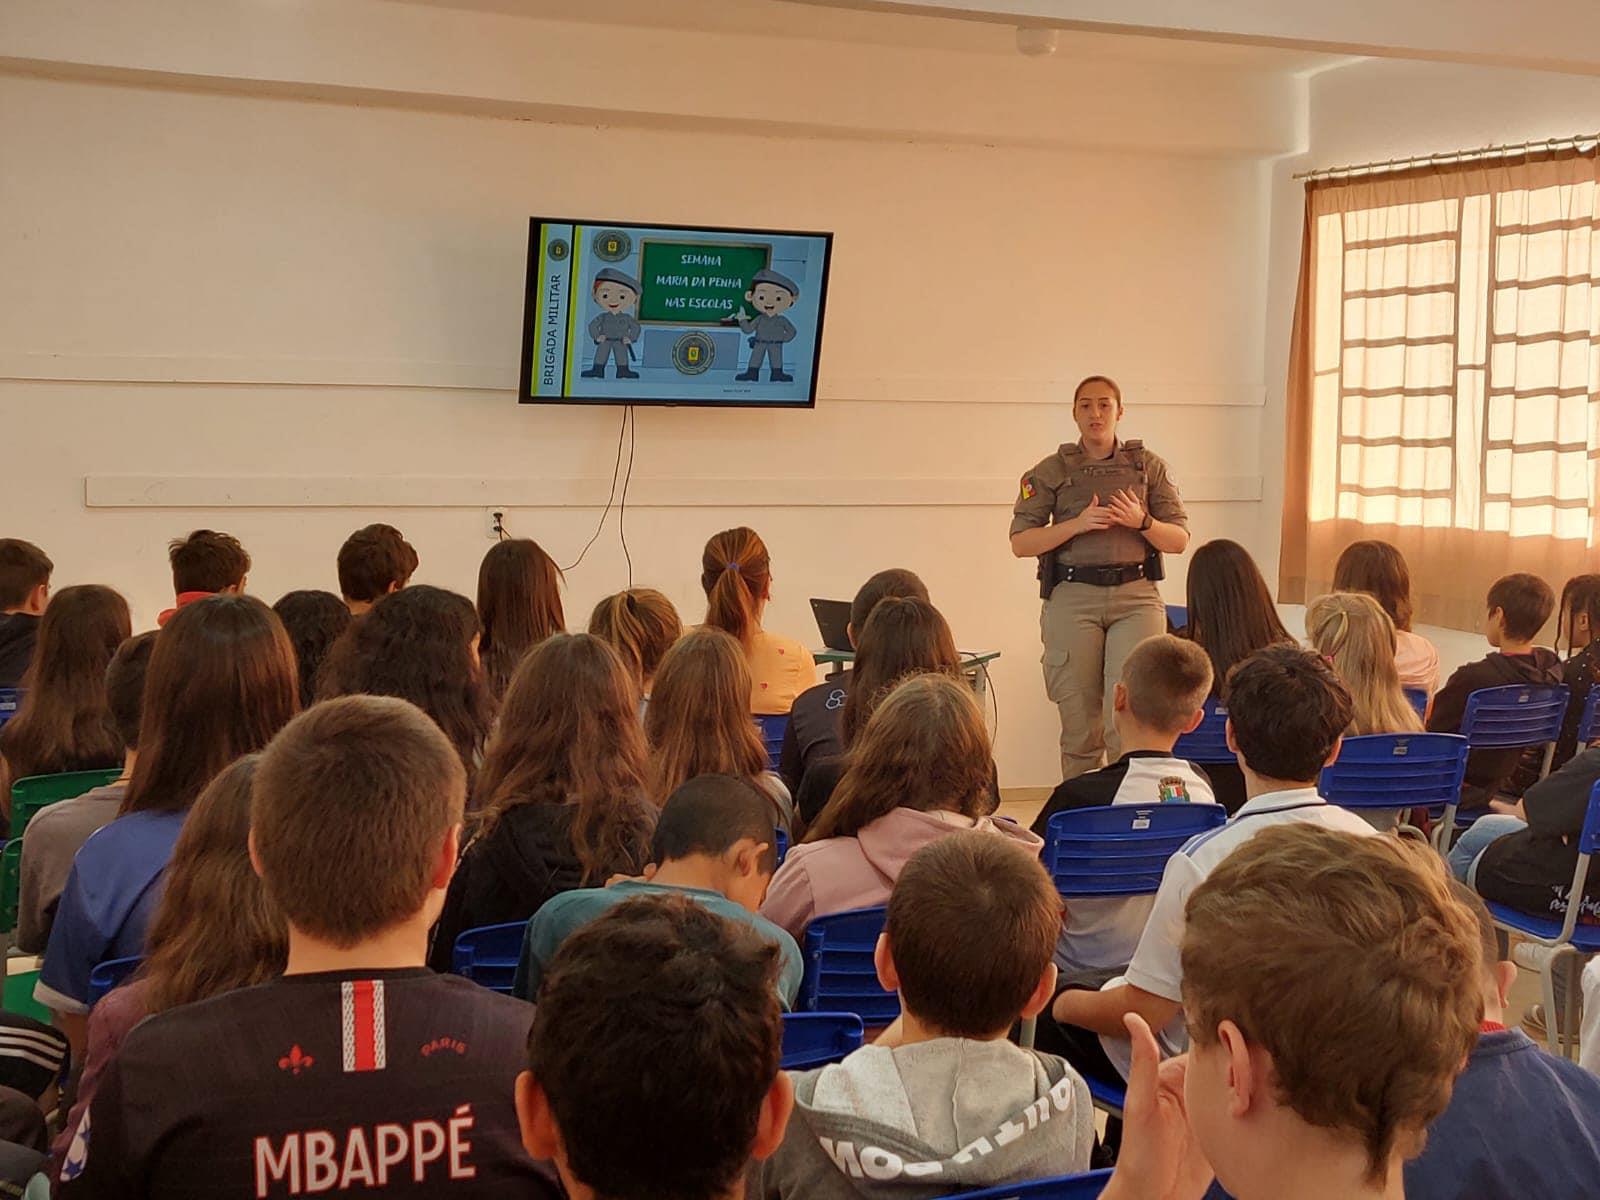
(769, 329)
(381, 1083)
(1065, 484)
(614, 327)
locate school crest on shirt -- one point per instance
(1173, 790)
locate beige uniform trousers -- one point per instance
(1088, 631)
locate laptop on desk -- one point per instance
(833, 622)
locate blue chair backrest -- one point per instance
(1589, 839)
(1397, 770)
(840, 975)
(814, 1039)
(1122, 849)
(488, 954)
(1418, 699)
(1589, 723)
(1087, 1186)
(780, 842)
(1178, 615)
(1516, 715)
(10, 701)
(1209, 742)
(108, 975)
(772, 730)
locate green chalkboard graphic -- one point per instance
(696, 283)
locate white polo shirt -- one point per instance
(1157, 965)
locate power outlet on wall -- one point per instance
(494, 522)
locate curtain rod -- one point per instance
(1458, 156)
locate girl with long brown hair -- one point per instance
(563, 800)
(63, 723)
(519, 605)
(1352, 631)
(641, 625)
(418, 644)
(698, 721)
(903, 636)
(1379, 569)
(736, 573)
(922, 768)
(214, 931)
(222, 681)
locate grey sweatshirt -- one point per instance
(926, 1120)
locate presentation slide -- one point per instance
(652, 314)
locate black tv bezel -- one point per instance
(530, 311)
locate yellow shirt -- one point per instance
(780, 669)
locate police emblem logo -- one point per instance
(559, 249)
(693, 353)
(612, 245)
(1173, 790)
(1028, 492)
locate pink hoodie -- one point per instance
(841, 873)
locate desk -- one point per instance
(974, 663)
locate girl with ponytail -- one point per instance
(737, 576)
(641, 625)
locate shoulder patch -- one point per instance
(1028, 490)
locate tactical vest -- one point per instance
(1088, 478)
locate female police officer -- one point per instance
(1099, 514)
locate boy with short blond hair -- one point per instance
(359, 1069)
(944, 1102)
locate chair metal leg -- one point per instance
(1547, 985)
(1442, 829)
(1027, 1033)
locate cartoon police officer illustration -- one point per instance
(773, 295)
(616, 329)
(1098, 513)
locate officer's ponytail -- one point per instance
(736, 575)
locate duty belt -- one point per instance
(1105, 575)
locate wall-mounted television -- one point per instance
(621, 313)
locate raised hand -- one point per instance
(1127, 509)
(1160, 1159)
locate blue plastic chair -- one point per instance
(1513, 717)
(772, 730)
(1418, 699)
(1209, 742)
(1178, 615)
(839, 971)
(814, 1039)
(107, 975)
(1086, 1186)
(488, 954)
(10, 701)
(1573, 943)
(1589, 723)
(780, 842)
(1387, 772)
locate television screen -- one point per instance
(672, 314)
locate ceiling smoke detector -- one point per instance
(1036, 42)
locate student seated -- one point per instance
(1379, 570)
(921, 771)
(971, 926)
(1331, 986)
(1231, 616)
(813, 731)
(1521, 1122)
(904, 636)
(1287, 712)
(1164, 684)
(712, 844)
(206, 563)
(519, 605)
(24, 590)
(563, 799)
(418, 644)
(314, 621)
(1518, 607)
(215, 931)
(221, 683)
(62, 723)
(670, 1088)
(737, 577)
(56, 834)
(1579, 618)
(641, 625)
(698, 721)
(359, 1068)
(374, 561)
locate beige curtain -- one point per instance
(1444, 378)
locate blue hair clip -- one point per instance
(733, 566)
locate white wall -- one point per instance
(288, 317)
